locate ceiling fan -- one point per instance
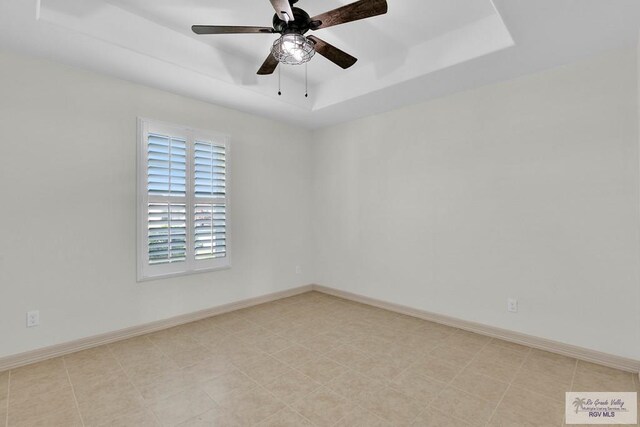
(292, 23)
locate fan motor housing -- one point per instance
(300, 24)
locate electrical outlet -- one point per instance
(298, 269)
(512, 305)
(33, 318)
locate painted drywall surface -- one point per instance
(524, 189)
(68, 197)
(638, 74)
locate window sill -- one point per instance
(142, 279)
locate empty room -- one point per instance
(351, 213)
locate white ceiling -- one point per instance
(420, 50)
(412, 21)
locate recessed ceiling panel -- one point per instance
(408, 23)
(418, 50)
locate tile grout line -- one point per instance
(448, 383)
(229, 393)
(145, 407)
(298, 371)
(234, 334)
(259, 385)
(73, 391)
(573, 378)
(386, 382)
(423, 354)
(325, 385)
(321, 385)
(165, 354)
(493, 413)
(285, 404)
(293, 342)
(6, 420)
(126, 375)
(293, 338)
(426, 354)
(529, 351)
(358, 405)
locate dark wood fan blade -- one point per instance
(352, 12)
(332, 53)
(219, 29)
(283, 7)
(269, 66)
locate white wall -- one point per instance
(68, 198)
(525, 189)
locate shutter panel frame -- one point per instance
(210, 208)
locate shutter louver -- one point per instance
(167, 233)
(209, 170)
(166, 166)
(210, 229)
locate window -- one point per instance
(183, 177)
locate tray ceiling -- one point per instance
(419, 50)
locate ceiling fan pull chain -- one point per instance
(306, 79)
(279, 82)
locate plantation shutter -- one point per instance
(166, 187)
(210, 212)
(183, 207)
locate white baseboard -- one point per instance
(26, 358)
(613, 361)
(581, 353)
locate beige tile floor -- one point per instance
(308, 360)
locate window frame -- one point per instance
(146, 271)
